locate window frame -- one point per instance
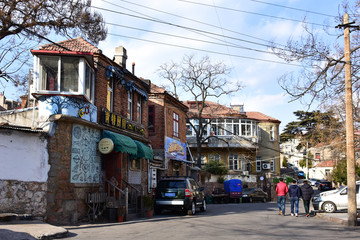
(139, 109)
(130, 105)
(151, 115)
(175, 124)
(82, 81)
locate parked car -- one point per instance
(334, 200)
(324, 185)
(313, 181)
(179, 193)
(254, 194)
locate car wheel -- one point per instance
(203, 207)
(192, 211)
(329, 207)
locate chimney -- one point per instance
(133, 68)
(120, 56)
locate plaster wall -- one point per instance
(24, 156)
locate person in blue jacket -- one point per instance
(294, 194)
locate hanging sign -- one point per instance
(106, 146)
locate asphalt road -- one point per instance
(221, 221)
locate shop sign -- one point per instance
(106, 146)
(120, 122)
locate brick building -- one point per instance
(167, 122)
(95, 114)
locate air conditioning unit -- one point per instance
(266, 166)
(245, 172)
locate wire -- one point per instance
(258, 14)
(297, 9)
(188, 38)
(190, 19)
(208, 51)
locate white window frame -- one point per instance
(130, 105)
(234, 162)
(81, 81)
(272, 133)
(175, 124)
(258, 164)
(139, 110)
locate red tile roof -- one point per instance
(215, 110)
(326, 163)
(261, 117)
(76, 45)
(156, 89)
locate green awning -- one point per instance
(144, 151)
(122, 143)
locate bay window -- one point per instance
(65, 74)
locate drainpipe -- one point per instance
(33, 116)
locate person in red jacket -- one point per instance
(281, 191)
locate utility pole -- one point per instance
(350, 150)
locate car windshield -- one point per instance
(172, 184)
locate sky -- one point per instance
(160, 31)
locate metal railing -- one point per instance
(118, 194)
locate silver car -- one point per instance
(334, 200)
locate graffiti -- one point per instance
(85, 161)
(73, 106)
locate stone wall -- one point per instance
(23, 197)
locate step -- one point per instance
(7, 217)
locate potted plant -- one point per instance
(148, 205)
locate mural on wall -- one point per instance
(73, 106)
(85, 160)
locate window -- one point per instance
(68, 74)
(258, 164)
(317, 156)
(49, 73)
(130, 106)
(234, 162)
(139, 110)
(188, 129)
(214, 157)
(272, 133)
(135, 164)
(176, 168)
(110, 96)
(176, 124)
(203, 159)
(151, 124)
(89, 79)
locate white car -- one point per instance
(334, 200)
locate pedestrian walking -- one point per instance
(306, 191)
(281, 191)
(294, 194)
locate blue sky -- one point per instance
(245, 23)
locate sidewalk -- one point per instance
(337, 217)
(12, 227)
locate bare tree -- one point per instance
(202, 80)
(24, 20)
(322, 58)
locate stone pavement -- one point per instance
(11, 229)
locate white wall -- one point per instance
(23, 156)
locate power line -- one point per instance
(208, 51)
(188, 38)
(190, 19)
(254, 13)
(297, 9)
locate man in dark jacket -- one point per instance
(294, 194)
(307, 191)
